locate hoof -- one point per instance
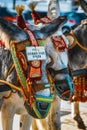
(79, 122)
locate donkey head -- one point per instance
(59, 66)
(56, 48)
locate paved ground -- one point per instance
(66, 119)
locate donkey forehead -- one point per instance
(60, 58)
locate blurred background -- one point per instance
(71, 8)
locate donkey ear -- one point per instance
(53, 9)
(83, 4)
(52, 27)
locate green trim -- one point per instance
(40, 116)
(27, 43)
(18, 67)
(40, 42)
(36, 111)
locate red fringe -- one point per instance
(21, 22)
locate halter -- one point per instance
(63, 93)
(80, 80)
(37, 111)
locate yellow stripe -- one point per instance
(37, 113)
(44, 99)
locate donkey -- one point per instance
(10, 106)
(77, 52)
(80, 33)
(52, 121)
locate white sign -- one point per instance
(35, 53)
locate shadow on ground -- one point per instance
(63, 113)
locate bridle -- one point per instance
(28, 87)
(60, 45)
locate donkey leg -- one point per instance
(38, 124)
(76, 115)
(54, 122)
(25, 122)
(34, 125)
(7, 114)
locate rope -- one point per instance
(76, 42)
(11, 85)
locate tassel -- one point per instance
(35, 17)
(20, 19)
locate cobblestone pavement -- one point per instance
(66, 119)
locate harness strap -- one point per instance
(50, 79)
(79, 72)
(35, 66)
(4, 87)
(65, 71)
(11, 85)
(62, 71)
